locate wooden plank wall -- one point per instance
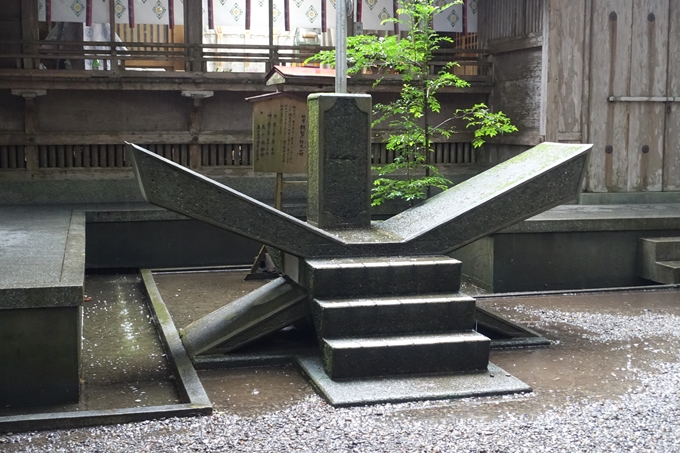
(517, 88)
(635, 143)
(564, 55)
(504, 20)
(671, 163)
(610, 28)
(561, 83)
(512, 32)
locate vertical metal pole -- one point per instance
(341, 46)
(271, 36)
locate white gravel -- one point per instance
(643, 420)
(646, 418)
(606, 327)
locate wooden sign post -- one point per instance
(280, 123)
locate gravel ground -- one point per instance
(645, 418)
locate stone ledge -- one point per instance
(579, 218)
(43, 257)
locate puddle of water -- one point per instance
(123, 362)
(587, 360)
(252, 391)
(582, 363)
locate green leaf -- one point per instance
(408, 117)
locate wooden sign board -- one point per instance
(280, 123)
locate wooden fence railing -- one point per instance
(176, 55)
(212, 155)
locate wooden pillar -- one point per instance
(195, 125)
(550, 77)
(31, 151)
(112, 36)
(30, 124)
(29, 32)
(193, 35)
(195, 130)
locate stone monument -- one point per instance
(384, 296)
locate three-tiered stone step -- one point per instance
(394, 316)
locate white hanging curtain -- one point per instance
(308, 14)
(305, 13)
(68, 11)
(259, 14)
(374, 12)
(229, 13)
(155, 12)
(450, 19)
(471, 16)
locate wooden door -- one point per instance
(636, 135)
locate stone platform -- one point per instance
(400, 389)
(569, 247)
(42, 257)
(43, 261)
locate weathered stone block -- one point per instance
(339, 161)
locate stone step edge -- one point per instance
(405, 340)
(351, 302)
(383, 262)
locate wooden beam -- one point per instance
(529, 41)
(176, 81)
(98, 138)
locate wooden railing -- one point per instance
(63, 157)
(123, 52)
(177, 55)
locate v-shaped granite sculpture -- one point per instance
(383, 295)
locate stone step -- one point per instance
(376, 316)
(384, 276)
(667, 272)
(353, 358)
(664, 249)
(660, 259)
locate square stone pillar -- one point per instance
(339, 162)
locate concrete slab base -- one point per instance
(494, 381)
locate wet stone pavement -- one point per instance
(609, 382)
